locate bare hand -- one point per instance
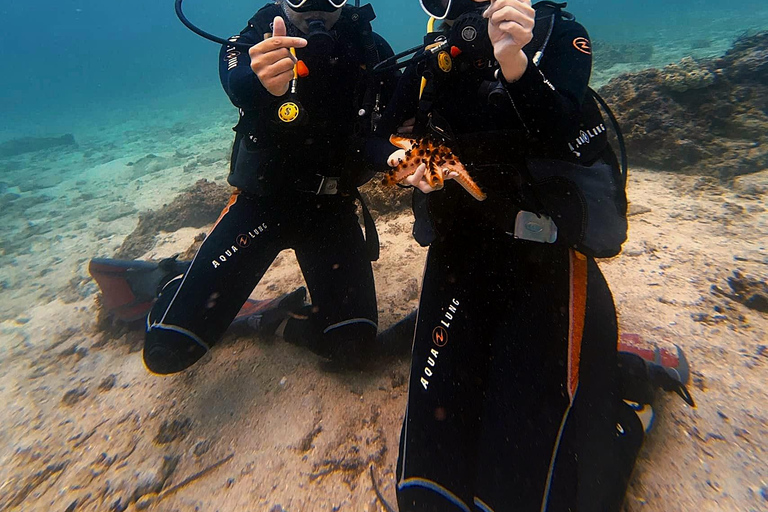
(271, 59)
(418, 180)
(510, 27)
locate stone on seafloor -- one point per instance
(23, 145)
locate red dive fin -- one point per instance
(129, 288)
(669, 370)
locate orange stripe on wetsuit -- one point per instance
(232, 201)
(577, 311)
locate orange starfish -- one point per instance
(438, 158)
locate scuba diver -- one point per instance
(520, 396)
(301, 77)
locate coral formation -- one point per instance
(685, 75)
(698, 117)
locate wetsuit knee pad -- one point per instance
(350, 345)
(168, 349)
(423, 499)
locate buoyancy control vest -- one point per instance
(584, 168)
(341, 98)
(596, 222)
(322, 155)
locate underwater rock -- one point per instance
(752, 292)
(202, 447)
(15, 147)
(686, 75)
(39, 182)
(149, 164)
(116, 212)
(752, 185)
(170, 431)
(706, 117)
(8, 198)
(73, 396)
(108, 383)
(197, 206)
(382, 200)
(211, 157)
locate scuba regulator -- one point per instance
(467, 37)
(463, 49)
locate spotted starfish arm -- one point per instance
(407, 166)
(463, 178)
(402, 142)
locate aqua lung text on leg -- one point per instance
(243, 242)
(439, 340)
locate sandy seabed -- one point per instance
(257, 426)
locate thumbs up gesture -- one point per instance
(510, 27)
(271, 59)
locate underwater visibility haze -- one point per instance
(115, 143)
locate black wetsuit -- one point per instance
(283, 200)
(514, 401)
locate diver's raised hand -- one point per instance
(271, 59)
(510, 27)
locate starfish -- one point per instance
(438, 158)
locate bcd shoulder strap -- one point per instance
(547, 15)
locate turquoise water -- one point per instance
(141, 95)
(76, 63)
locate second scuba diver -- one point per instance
(307, 100)
(518, 397)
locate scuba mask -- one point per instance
(320, 40)
(447, 9)
(315, 5)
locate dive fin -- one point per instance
(130, 287)
(665, 369)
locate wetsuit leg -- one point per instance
(436, 465)
(526, 402)
(194, 310)
(550, 441)
(330, 248)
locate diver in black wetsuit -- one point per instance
(518, 398)
(307, 105)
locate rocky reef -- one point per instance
(706, 117)
(197, 206)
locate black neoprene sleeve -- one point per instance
(548, 98)
(238, 79)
